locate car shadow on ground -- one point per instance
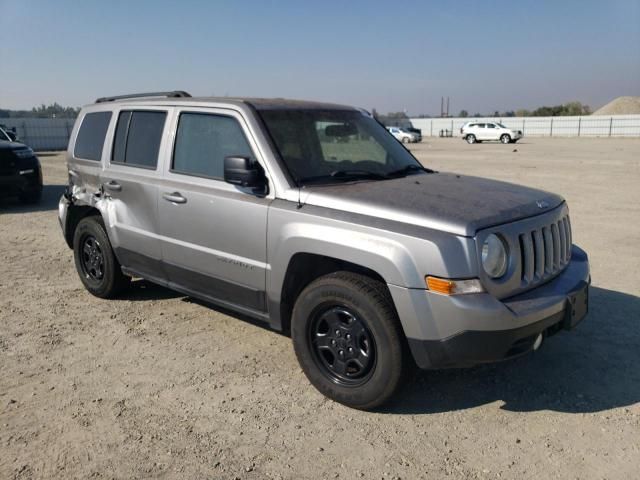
(591, 369)
(50, 196)
(142, 290)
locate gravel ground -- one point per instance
(158, 385)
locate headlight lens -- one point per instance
(494, 256)
(24, 153)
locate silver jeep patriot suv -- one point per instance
(314, 219)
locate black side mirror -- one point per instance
(244, 172)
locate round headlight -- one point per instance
(494, 256)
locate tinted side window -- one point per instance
(137, 138)
(202, 142)
(90, 140)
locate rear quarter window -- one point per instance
(91, 136)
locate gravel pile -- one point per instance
(620, 106)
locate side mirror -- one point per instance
(244, 172)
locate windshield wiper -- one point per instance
(412, 167)
(344, 176)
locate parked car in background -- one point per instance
(476, 132)
(8, 132)
(405, 135)
(370, 261)
(20, 171)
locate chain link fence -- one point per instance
(42, 133)
(584, 126)
(53, 133)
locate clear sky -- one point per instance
(391, 55)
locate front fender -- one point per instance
(399, 253)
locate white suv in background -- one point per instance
(403, 135)
(474, 132)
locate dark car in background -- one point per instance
(20, 171)
(9, 132)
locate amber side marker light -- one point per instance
(447, 286)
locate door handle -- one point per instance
(113, 186)
(174, 197)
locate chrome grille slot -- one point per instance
(545, 251)
(555, 237)
(548, 250)
(539, 252)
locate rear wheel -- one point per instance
(95, 261)
(505, 138)
(405, 140)
(348, 339)
(471, 138)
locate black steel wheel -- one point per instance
(342, 345)
(96, 263)
(348, 339)
(92, 258)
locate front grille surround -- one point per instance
(539, 248)
(544, 251)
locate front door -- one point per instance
(213, 233)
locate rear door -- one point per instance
(130, 182)
(493, 132)
(213, 233)
(480, 131)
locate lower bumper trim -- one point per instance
(470, 348)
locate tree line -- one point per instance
(566, 109)
(43, 111)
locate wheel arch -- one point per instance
(303, 268)
(75, 214)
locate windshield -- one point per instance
(328, 146)
(4, 136)
(500, 125)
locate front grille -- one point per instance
(545, 251)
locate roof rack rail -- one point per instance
(173, 94)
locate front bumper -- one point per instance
(465, 330)
(30, 181)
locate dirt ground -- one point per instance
(156, 385)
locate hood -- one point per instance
(457, 204)
(4, 146)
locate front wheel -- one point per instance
(505, 138)
(405, 140)
(471, 139)
(348, 339)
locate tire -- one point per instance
(31, 197)
(505, 138)
(405, 140)
(354, 314)
(471, 139)
(95, 261)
